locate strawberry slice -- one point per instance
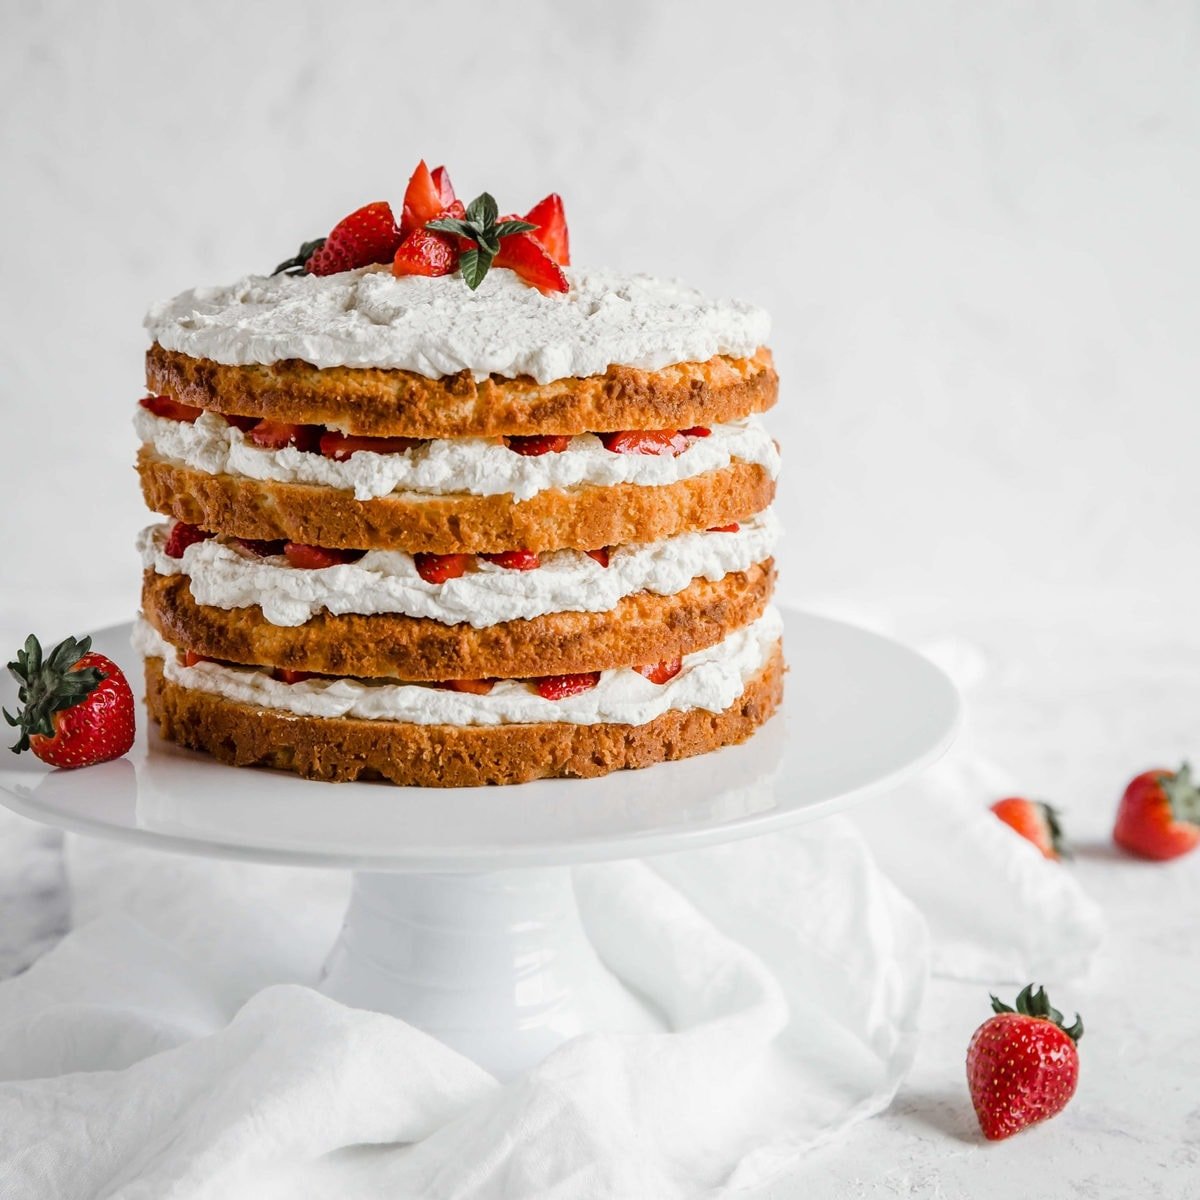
(278, 435)
(285, 675)
(551, 231)
(258, 547)
(437, 568)
(697, 431)
(601, 555)
(340, 446)
(525, 255)
(534, 445)
(476, 687)
(191, 658)
(426, 252)
(733, 527)
(668, 442)
(368, 235)
(182, 536)
(556, 687)
(164, 406)
(313, 558)
(245, 424)
(445, 189)
(422, 199)
(515, 560)
(661, 672)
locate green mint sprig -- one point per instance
(480, 227)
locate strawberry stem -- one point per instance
(49, 684)
(1031, 1003)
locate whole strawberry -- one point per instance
(1035, 821)
(1159, 814)
(1022, 1064)
(77, 705)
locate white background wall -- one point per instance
(975, 225)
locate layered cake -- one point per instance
(444, 510)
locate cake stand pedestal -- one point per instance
(462, 918)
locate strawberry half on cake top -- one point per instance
(445, 510)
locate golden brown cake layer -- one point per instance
(583, 518)
(642, 629)
(388, 403)
(341, 748)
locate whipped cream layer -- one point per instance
(436, 327)
(386, 581)
(451, 466)
(711, 679)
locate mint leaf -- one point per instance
(507, 228)
(453, 225)
(483, 211)
(474, 264)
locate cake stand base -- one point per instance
(495, 965)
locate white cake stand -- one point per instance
(462, 918)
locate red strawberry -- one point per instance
(258, 547)
(1034, 821)
(368, 235)
(437, 568)
(77, 706)
(182, 536)
(515, 560)
(556, 687)
(422, 199)
(732, 527)
(286, 675)
(697, 431)
(534, 445)
(445, 189)
(426, 252)
(645, 441)
(339, 446)
(278, 435)
(1022, 1065)
(551, 231)
(313, 558)
(476, 687)
(524, 254)
(1159, 814)
(661, 672)
(164, 406)
(601, 555)
(192, 657)
(245, 424)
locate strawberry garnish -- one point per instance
(732, 527)
(524, 254)
(278, 435)
(1159, 814)
(476, 687)
(340, 446)
(550, 228)
(424, 252)
(661, 672)
(1034, 821)
(445, 189)
(483, 237)
(423, 198)
(697, 431)
(534, 445)
(182, 536)
(313, 558)
(165, 406)
(77, 707)
(368, 235)
(556, 687)
(1022, 1064)
(645, 441)
(258, 547)
(515, 560)
(437, 568)
(601, 555)
(286, 675)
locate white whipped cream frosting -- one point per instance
(436, 327)
(711, 679)
(386, 581)
(452, 466)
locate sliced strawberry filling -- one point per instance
(515, 560)
(537, 444)
(340, 446)
(437, 568)
(732, 527)
(558, 687)
(285, 675)
(258, 547)
(278, 435)
(313, 558)
(164, 406)
(668, 442)
(601, 555)
(182, 536)
(661, 672)
(476, 687)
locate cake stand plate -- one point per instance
(462, 918)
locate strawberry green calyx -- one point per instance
(296, 265)
(1054, 825)
(482, 228)
(1182, 794)
(1031, 1003)
(48, 685)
